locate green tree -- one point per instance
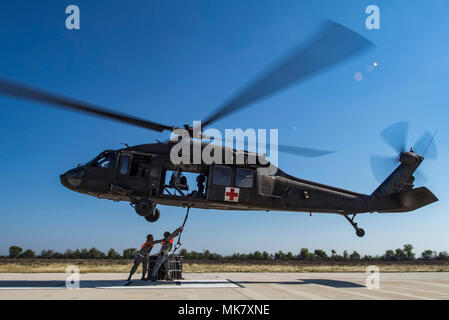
(388, 255)
(77, 254)
(304, 254)
(112, 254)
(428, 255)
(345, 255)
(58, 255)
(15, 252)
(280, 255)
(443, 256)
(69, 254)
(355, 256)
(28, 254)
(400, 255)
(94, 253)
(320, 254)
(266, 255)
(47, 254)
(129, 253)
(257, 255)
(408, 249)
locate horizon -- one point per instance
(176, 63)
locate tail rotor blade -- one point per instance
(382, 167)
(396, 135)
(426, 146)
(420, 178)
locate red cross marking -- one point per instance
(232, 194)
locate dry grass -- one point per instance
(23, 266)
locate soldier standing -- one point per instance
(142, 256)
(162, 258)
(200, 183)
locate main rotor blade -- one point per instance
(17, 90)
(298, 151)
(396, 135)
(304, 152)
(335, 43)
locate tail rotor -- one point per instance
(396, 136)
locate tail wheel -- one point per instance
(360, 232)
(144, 207)
(154, 216)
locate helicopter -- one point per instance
(145, 175)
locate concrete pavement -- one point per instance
(266, 286)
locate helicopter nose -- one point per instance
(72, 178)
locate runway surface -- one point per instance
(266, 286)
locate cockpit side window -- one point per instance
(107, 160)
(124, 164)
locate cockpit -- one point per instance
(104, 160)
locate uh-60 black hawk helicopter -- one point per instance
(140, 174)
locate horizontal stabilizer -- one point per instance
(414, 199)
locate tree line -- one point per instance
(400, 254)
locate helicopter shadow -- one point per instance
(102, 284)
(58, 284)
(321, 282)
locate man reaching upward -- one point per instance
(142, 256)
(162, 258)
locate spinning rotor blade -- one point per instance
(420, 178)
(298, 151)
(303, 152)
(24, 92)
(396, 135)
(382, 167)
(426, 146)
(335, 43)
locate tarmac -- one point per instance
(224, 286)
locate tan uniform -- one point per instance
(162, 258)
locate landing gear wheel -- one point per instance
(144, 207)
(154, 216)
(358, 231)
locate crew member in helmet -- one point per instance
(167, 244)
(142, 256)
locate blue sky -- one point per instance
(176, 62)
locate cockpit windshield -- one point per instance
(104, 160)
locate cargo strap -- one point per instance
(178, 244)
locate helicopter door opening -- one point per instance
(186, 184)
(133, 173)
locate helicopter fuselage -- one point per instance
(143, 171)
